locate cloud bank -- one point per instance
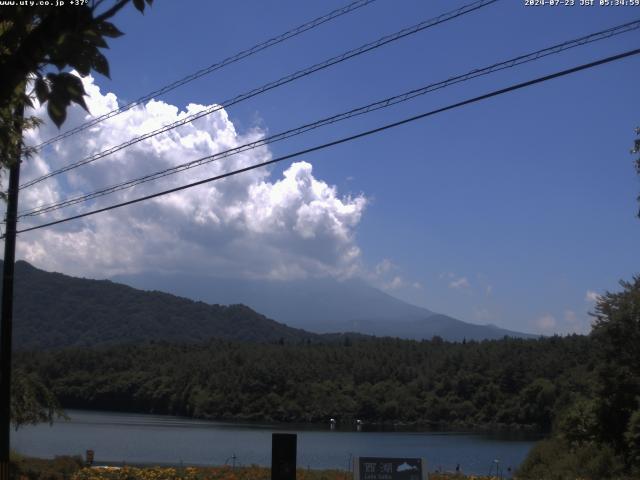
(249, 225)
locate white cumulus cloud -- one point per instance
(591, 296)
(461, 282)
(249, 225)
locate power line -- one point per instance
(284, 80)
(212, 68)
(387, 102)
(345, 139)
(269, 86)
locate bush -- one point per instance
(556, 459)
(60, 468)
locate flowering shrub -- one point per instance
(223, 473)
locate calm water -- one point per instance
(134, 438)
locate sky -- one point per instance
(517, 211)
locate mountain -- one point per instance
(323, 305)
(53, 310)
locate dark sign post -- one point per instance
(376, 468)
(283, 456)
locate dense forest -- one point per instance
(511, 382)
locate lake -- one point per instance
(161, 439)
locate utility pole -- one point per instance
(6, 323)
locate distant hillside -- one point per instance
(323, 305)
(54, 310)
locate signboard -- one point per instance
(377, 468)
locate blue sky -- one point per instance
(507, 212)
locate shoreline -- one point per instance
(399, 427)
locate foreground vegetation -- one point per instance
(72, 468)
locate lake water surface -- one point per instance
(156, 439)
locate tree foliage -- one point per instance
(39, 44)
(42, 43)
(31, 400)
(598, 436)
(632, 439)
(616, 331)
(511, 383)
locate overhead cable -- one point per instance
(211, 68)
(387, 102)
(269, 86)
(343, 140)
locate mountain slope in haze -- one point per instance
(322, 305)
(53, 310)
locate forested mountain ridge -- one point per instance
(52, 310)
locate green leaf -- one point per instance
(94, 37)
(72, 84)
(82, 62)
(108, 29)
(65, 88)
(80, 101)
(74, 89)
(57, 112)
(100, 64)
(42, 89)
